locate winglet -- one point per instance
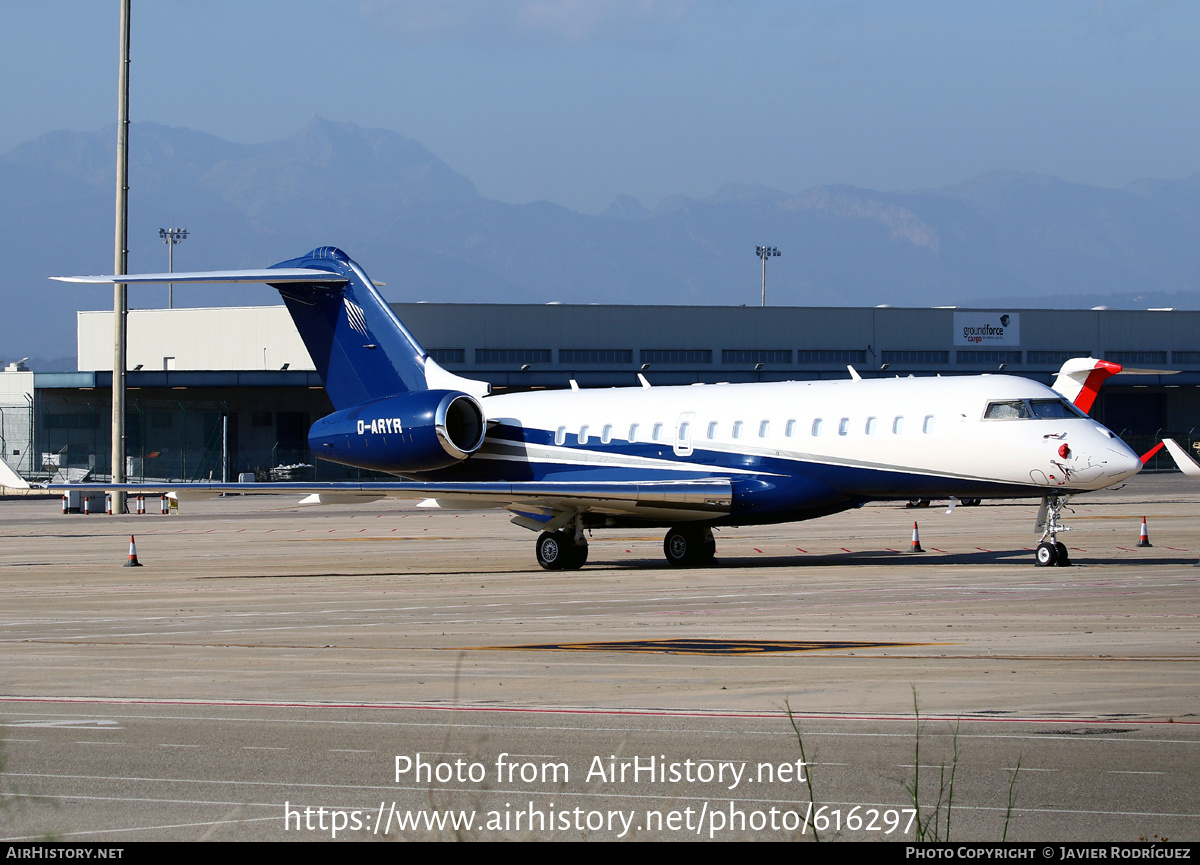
(1080, 378)
(1183, 459)
(9, 478)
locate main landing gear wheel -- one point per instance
(689, 546)
(557, 551)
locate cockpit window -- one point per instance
(1010, 410)
(1017, 409)
(1053, 408)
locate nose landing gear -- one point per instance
(1051, 552)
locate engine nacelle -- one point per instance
(408, 433)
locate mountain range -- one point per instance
(1002, 239)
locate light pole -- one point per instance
(171, 236)
(765, 252)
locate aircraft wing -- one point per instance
(1182, 458)
(535, 504)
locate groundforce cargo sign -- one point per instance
(987, 329)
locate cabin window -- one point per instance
(790, 429)
(657, 434)
(927, 427)
(684, 431)
(712, 430)
(583, 434)
(737, 429)
(606, 435)
(763, 429)
(633, 433)
(898, 425)
(816, 427)
(560, 435)
(870, 426)
(844, 426)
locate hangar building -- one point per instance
(234, 390)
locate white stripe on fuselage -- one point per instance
(941, 429)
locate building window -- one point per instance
(595, 355)
(831, 355)
(448, 355)
(1136, 356)
(914, 357)
(676, 355)
(1013, 357)
(512, 355)
(756, 355)
(1185, 357)
(1058, 358)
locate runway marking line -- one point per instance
(704, 647)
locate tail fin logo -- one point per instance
(354, 315)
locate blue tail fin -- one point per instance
(360, 348)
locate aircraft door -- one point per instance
(683, 434)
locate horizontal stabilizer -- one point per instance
(265, 274)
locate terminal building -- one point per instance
(219, 392)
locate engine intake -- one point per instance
(412, 432)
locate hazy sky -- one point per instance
(578, 101)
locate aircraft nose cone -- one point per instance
(1122, 462)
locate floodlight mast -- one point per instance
(121, 263)
(171, 236)
(765, 252)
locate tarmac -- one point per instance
(271, 669)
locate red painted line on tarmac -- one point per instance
(1177, 549)
(846, 550)
(802, 550)
(757, 550)
(936, 550)
(541, 710)
(890, 550)
(1126, 549)
(982, 550)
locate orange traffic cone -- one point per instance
(133, 562)
(1144, 537)
(916, 541)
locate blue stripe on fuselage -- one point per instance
(766, 489)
